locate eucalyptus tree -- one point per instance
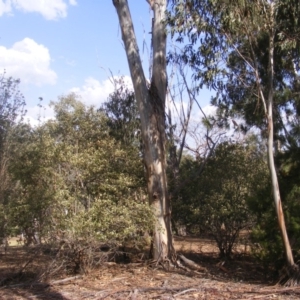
(248, 52)
(151, 104)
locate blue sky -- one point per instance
(58, 46)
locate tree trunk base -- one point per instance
(179, 262)
(290, 276)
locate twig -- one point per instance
(118, 279)
(65, 279)
(186, 291)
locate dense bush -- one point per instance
(76, 182)
(266, 235)
(217, 200)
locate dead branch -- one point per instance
(190, 264)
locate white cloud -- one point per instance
(5, 7)
(39, 114)
(72, 2)
(49, 9)
(209, 110)
(94, 92)
(28, 61)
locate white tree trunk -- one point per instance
(151, 105)
(274, 178)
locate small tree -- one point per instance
(215, 202)
(229, 180)
(11, 112)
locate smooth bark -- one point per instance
(151, 104)
(274, 178)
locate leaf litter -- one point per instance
(237, 279)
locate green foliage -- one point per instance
(11, 113)
(107, 221)
(266, 234)
(122, 113)
(227, 50)
(76, 180)
(11, 105)
(217, 200)
(33, 152)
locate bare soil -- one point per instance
(238, 278)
